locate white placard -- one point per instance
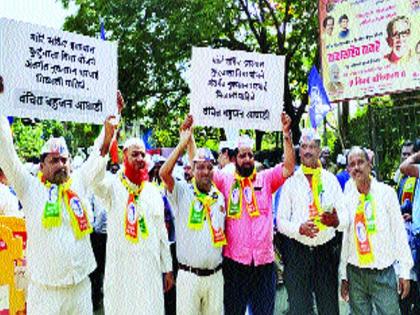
(236, 89)
(51, 74)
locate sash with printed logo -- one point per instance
(51, 216)
(362, 231)
(242, 189)
(201, 208)
(408, 189)
(134, 218)
(315, 208)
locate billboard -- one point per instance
(369, 47)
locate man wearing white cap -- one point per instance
(310, 210)
(137, 250)
(59, 253)
(248, 266)
(199, 224)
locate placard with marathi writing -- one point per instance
(369, 47)
(236, 89)
(51, 74)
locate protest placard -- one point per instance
(369, 47)
(51, 74)
(236, 89)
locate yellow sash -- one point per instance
(52, 210)
(134, 220)
(242, 187)
(200, 208)
(362, 231)
(315, 208)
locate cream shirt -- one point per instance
(194, 247)
(389, 243)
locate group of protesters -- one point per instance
(343, 232)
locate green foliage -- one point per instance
(29, 138)
(383, 127)
(155, 40)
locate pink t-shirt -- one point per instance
(251, 239)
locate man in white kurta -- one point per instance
(199, 226)
(58, 262)
(134, 263)
(373, 241)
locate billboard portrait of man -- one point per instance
(398, 34)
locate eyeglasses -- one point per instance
(402, 34)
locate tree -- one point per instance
(156, 37)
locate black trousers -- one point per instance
(170, 296)
(309, 271)
(98, 241)
(248, 285)
(411, 304)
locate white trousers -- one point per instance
(197, 295)
(70, 300)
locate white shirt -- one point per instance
(229, 168)
(194, 247)
(55, 257)
(293, 209)
(9, 204)
(389, 243)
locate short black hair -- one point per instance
(343, 17)
(230, 152)
(408, 143)
(43, 157)
(417, 145)
(329, 17)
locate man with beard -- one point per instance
(137, 250)
(199, 224)
(373, 241)
(59, 253)
(248, 266)
(310, 211)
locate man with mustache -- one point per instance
(373, 241)
(59, 252)
(199, 210)
(310, 211)
(248, 265)
(137, 250)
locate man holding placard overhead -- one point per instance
(59, 252)
(248, 266)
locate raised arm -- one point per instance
(409, 167)
(93, 170)
(289, 152)
(12, 166)
(165, 172)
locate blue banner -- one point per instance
(319, 104)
